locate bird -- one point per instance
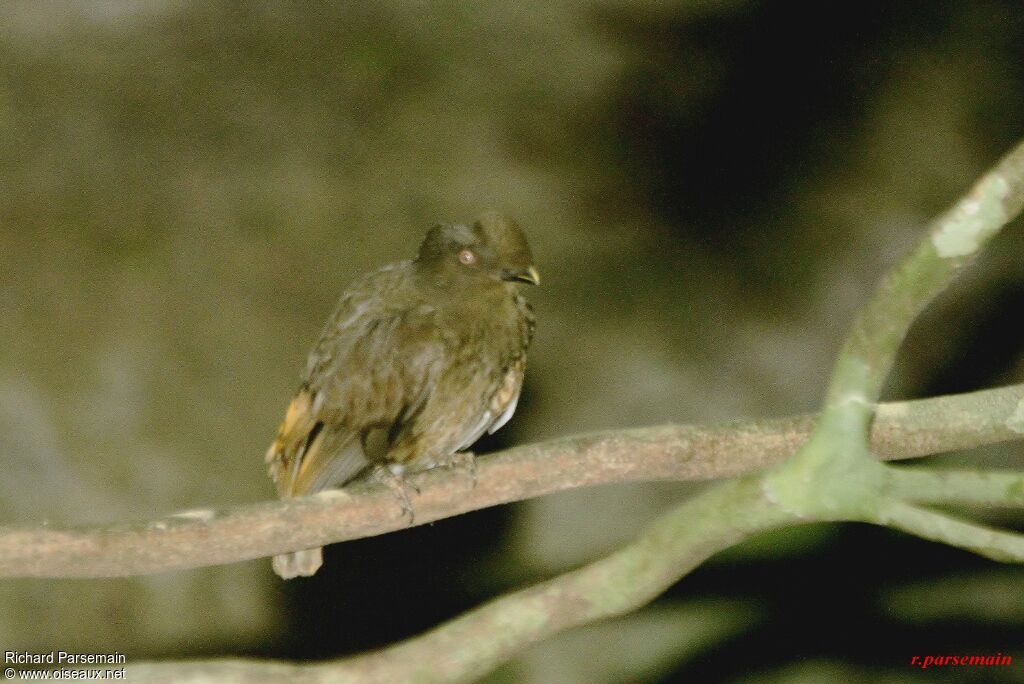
(418, 360)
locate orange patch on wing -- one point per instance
(291, 439)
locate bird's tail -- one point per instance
(298, 563)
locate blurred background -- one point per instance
(711, 190)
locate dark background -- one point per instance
(711, 190)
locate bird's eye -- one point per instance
(467, 257)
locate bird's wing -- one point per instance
(370, 370)
(308, 455)
(505, 400)
(504, 396)
(495, 412)
(293, 438)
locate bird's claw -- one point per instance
(460, 460)
(464, 460)
(393, 477)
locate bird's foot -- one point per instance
(392, 475)
(460, 460)
(464, 460)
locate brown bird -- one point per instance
(418, 360)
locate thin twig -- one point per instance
(989, 488)
(998, 545)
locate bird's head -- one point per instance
(494, 247)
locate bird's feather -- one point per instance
(505, 400)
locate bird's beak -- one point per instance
(529, 276)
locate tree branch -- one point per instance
(999, 545)
(455, 652)
(990, 488)
(833, 475)
(953, 239)
(207, 537)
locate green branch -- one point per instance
(953, 239)
(998, 545)
(992, 488)
(835, 476)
